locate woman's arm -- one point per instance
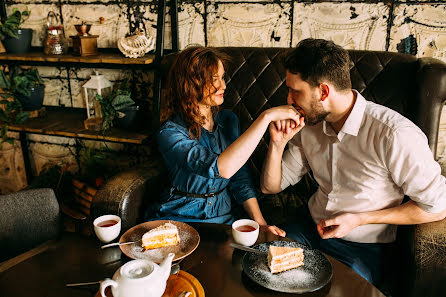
(235, 155)
(251, 206)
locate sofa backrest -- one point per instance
(414, 87)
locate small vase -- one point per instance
(19, 45)
(35, 100)
(128, 118)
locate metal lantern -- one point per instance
(96, 85)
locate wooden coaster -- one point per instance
(94, 124)
(37, 113)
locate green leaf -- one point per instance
(23, 85)
(4, 81)
(121, 101)
(21, 117)
(3, 116)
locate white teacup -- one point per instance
(245, 232)
(107, 227)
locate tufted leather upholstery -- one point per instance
(28, 218)
(415, 87)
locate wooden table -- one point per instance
(76, 258)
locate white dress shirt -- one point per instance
(376, 158)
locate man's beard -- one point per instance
(317, 114)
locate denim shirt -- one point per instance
(192, 168)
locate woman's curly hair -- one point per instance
(191, 74)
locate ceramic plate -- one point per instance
(189, 240)
(313, 275)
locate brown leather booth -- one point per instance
(415, 87)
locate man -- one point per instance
(364, 156)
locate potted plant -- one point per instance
(15, 39)
(22, 90)
(118, 107)
(27, 86)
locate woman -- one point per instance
(202, 146)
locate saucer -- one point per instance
(177, 283)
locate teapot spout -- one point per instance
(165, 266)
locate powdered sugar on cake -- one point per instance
(313, 275)
(161, 236)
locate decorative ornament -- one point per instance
(136, 45)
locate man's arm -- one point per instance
(281, 133)
(405, 214)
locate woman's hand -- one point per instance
(283, 112)
(274, 230)
(283, 131)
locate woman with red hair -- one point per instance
(202, 147)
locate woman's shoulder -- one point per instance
(173, 125)
(227, 117)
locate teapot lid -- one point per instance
(137, 269)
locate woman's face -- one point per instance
(213, 95)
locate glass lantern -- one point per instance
(96, 85)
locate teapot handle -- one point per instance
(107, 282)
(51, 17)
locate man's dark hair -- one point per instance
(317, 60)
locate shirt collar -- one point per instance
(353, 122)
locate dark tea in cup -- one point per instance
(107, 227)
(245, 228)
(107, 223)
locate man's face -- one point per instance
(305, 99)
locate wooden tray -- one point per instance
(177, 283)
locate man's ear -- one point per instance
(325, 91)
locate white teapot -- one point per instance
(139, 278)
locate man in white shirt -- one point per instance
(364, 156)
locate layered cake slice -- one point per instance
(284, 258)
(164, 235)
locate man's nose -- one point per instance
(289, 99)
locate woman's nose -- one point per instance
(223, 84)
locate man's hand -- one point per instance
(338, 226)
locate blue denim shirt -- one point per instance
(192, 168)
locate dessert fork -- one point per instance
(118, 243)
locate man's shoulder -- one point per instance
(385, 117)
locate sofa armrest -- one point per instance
(429, 259)
(431, 82)
(430, 246)
(125, 194)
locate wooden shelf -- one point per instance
(101, 58)
(69, 123)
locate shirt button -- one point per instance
(210, 203)
(213, 188)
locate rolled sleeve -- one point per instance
(241, 186)
(414, 169)
(294, 163)
(178, 149)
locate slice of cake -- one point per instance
(284, 258)
(164, 235)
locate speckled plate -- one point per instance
(313, 275)
(189, 240)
